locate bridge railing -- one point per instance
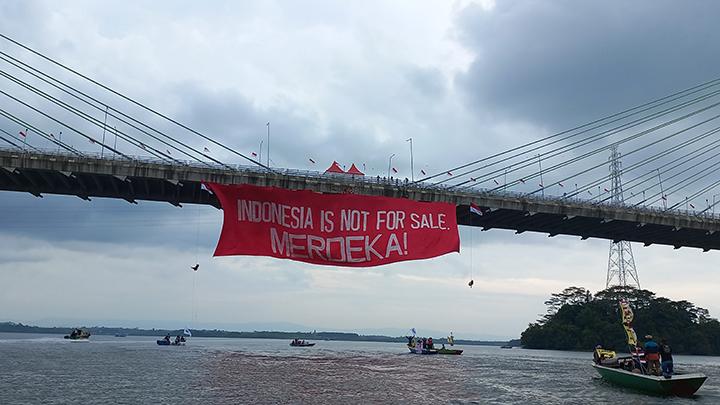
(352, 180)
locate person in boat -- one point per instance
(177, 340)
(182, 339)
(430, 343)
(596, 354)
(666, 362)
(167, 338)
(652, 355)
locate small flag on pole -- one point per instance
(23, 133)
(394, 170)
(475, 209)
(254, 154)
(496, 182)
(52, 136)
(423, 172)
(168, 151)
(449, 173)
(206, 149)
(540, 184)
(606, 190)
(692, 206)
(91, 140)
(142, 145)
(560, 184)
(473, 179)
(664, 197)
(311, 160)
(522, 181)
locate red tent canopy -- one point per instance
(354, 170)
(334, 168)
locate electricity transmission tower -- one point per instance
(621, 264)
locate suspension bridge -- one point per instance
(559, 184)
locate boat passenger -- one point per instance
(652, 355)
(666, 357)
(177, 339)
(182, 339)
(430, 343)
(167, 338)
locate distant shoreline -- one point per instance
(12, 327)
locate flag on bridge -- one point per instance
(206, 149)
(24, 133)
(311, 160)
(254, 154)
(475, 209)
(423, 172)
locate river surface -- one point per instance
(46, 369)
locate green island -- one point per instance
(14, 327)
(578, 320)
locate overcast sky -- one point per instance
(345, 81)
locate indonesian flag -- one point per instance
(254, 154)
(206, 149)
(423, 172)
(692, 206)
(540, 184)
(606, 190)
(23, 133)
(311, 160)
(394, 170)
(560, 184)
(52, 136)
(475, 209)
(664, 197)
(496, 182)
(449, 173)
(473, 179)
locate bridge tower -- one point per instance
(621, 264)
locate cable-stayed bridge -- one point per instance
(558, 184)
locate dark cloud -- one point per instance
(563, 63)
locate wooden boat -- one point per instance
(506, 347)
(163, 342)
(443, 350)
(684, 385)
(301, 343)
(78, 335)
(423, 351)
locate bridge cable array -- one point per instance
(88, 101)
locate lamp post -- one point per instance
(412, 169)
(390, 164)
(268, 145)
(713, 205)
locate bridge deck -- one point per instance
(132, 180)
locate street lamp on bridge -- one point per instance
(390, 164)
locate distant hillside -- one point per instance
(341, 336)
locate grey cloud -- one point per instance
(564, 63)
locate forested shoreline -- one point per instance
(576, 319)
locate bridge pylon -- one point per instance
(621, 263)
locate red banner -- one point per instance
(332, 229)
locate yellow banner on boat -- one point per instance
(632, 337)
(626, 312)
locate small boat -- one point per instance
(121, 335)
(683, 385)
(78, 335)
(163, 342)
(506, 347)
(423, 351)
(443, 350)
(301, 343)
